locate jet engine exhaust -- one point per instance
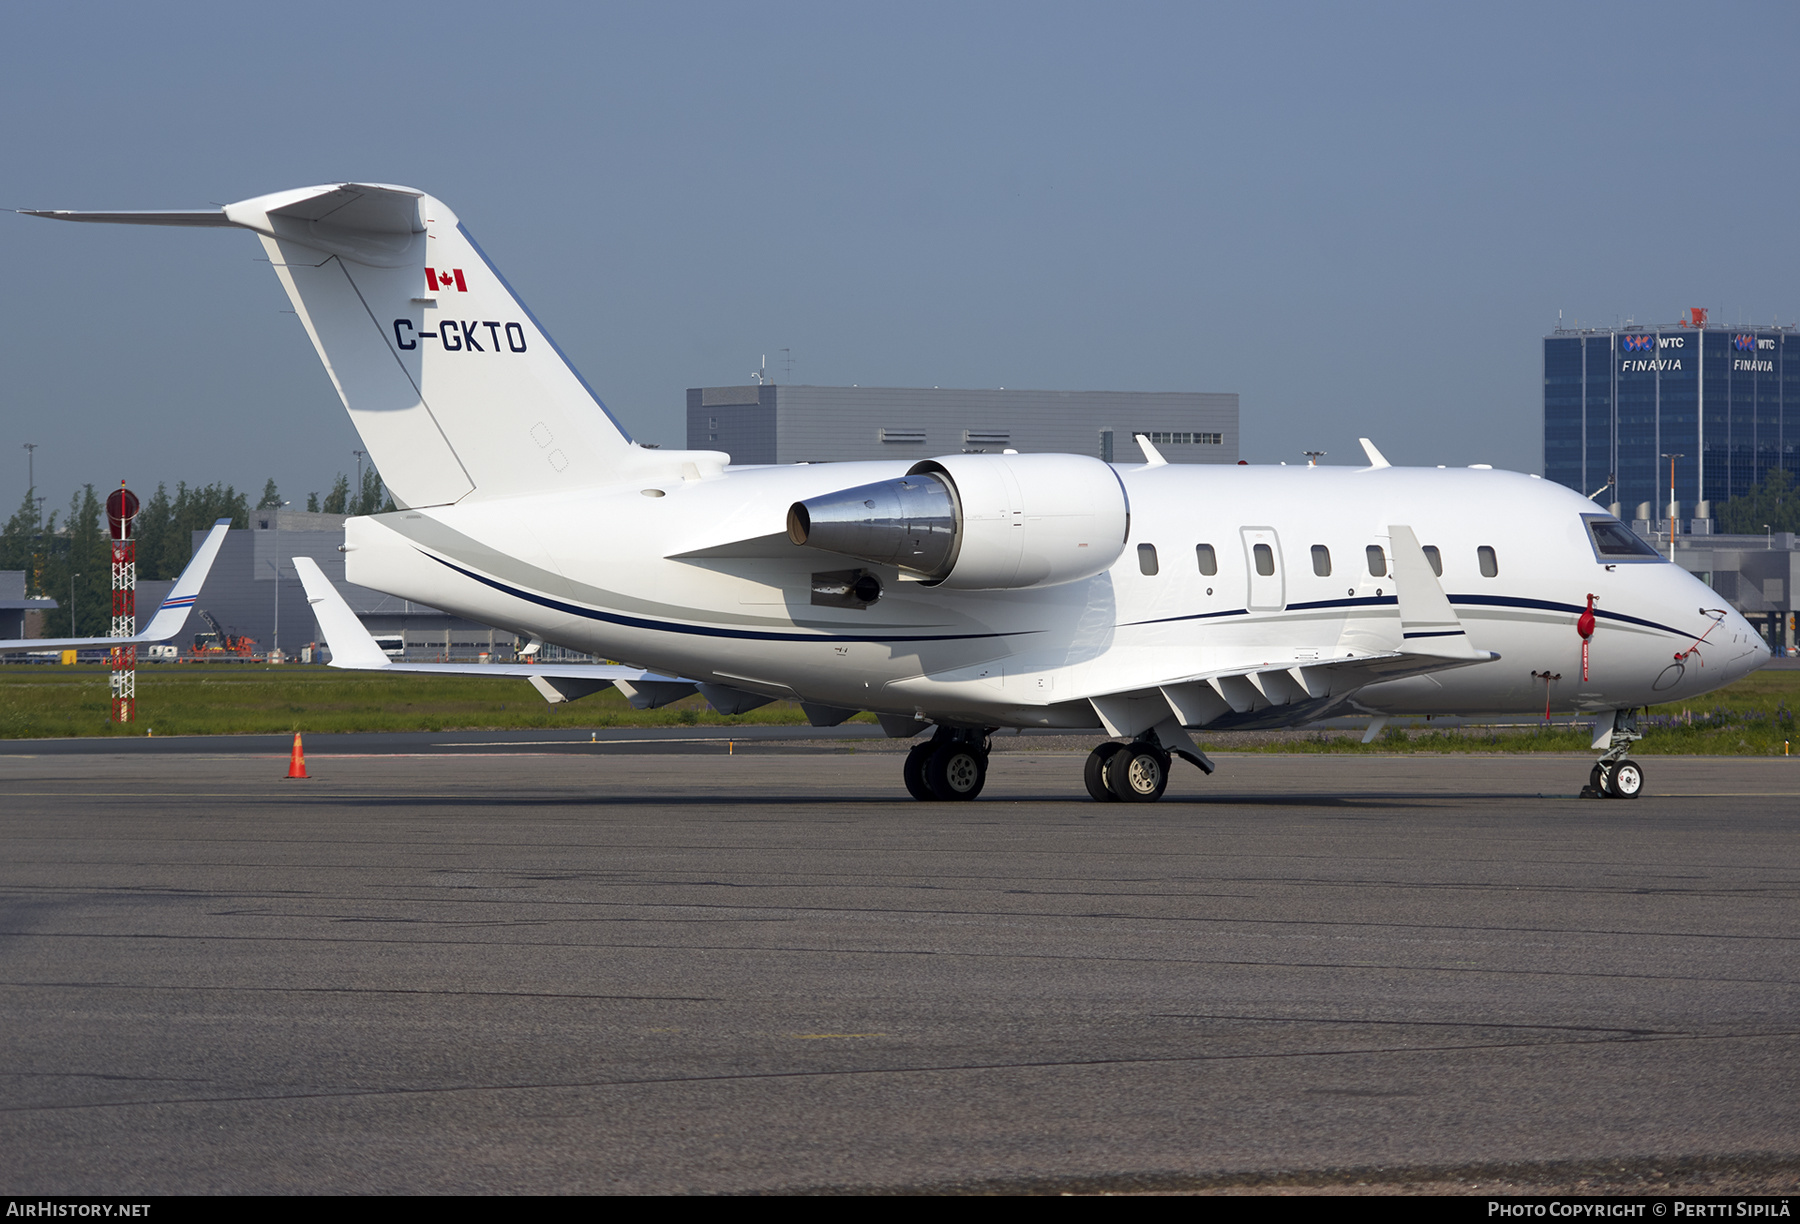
(909, 523)
(977, 522)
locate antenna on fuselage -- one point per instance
(1376, 458)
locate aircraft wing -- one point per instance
(169, 618)
(354, 648)
(1427, 636)
(1262, 691)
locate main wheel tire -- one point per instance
(1626, 780)
(1094, 772)
(956, 771)
(1140, 777)
(1600, 778)
(914, 771)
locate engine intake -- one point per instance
(978, 522)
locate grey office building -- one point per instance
(783, 424)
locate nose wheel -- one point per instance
(1615, 776)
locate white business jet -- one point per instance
(965, 593)
(170, 616)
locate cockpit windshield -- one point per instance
(1614, 541)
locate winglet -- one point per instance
(351, 644)
(1428, 624)
(1376, 458)
(172, 615)
(1152, 456)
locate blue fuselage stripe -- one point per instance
(635, 622)
(1494, 601)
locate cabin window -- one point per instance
(1147, 558)
(1265, 560)
(1437, 561)
(1321, 561)
(1490, 566)
(1209, 560)
(1377, 561)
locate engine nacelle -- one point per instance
(978, 522)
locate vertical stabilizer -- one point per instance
(453, 385)
(449, 379)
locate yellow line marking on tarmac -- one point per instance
(822, 1036)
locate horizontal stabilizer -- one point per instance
(353, 648)
(162, 216)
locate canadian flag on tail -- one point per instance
(441, 279)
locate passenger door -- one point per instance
(1262, 561)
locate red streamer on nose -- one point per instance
(1585, 627)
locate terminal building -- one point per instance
(1619, 401)
(783, 424)
(1722, 405)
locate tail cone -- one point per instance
(297, 760)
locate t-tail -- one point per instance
(454, 387)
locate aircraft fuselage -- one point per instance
(693, 577)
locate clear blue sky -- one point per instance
(1360, 218)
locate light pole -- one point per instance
(72, 578)
(1672, 459)
(276, 649)
(1768, 538)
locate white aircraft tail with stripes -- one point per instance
(170, 616)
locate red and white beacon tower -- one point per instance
(121, 513)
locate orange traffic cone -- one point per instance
(297, 761)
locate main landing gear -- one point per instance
(950, 765)
(1137, 772)
(1614, 776)
(953, 764)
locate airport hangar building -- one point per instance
(796, 424)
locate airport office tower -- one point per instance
(1616, 400)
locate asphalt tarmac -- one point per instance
(605, 971)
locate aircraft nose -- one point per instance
(1756, 651)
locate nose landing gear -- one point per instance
(1613, 775)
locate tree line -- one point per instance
(1772, 505)
(68, 556)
